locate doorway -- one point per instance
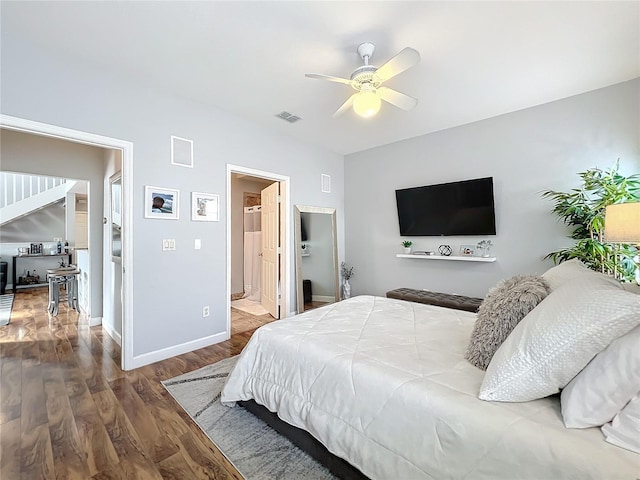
(126, 148)
(257, 268)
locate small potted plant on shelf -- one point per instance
(406, 246)
(484, 246)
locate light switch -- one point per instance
(168, 244)
(198, 244)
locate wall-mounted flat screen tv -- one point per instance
(456, 208)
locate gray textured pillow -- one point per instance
(505, 305)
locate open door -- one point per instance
(270, 249)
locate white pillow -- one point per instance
(604, 386)
(558, 338)
(624, 430)
(565, 272)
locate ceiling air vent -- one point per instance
(289, 117)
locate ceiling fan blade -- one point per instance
(328, 77)
(400, 100)
(345, 106)
(407, 58)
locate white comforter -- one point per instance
(383, 384)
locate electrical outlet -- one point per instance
(205, 311)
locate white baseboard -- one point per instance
(95, 321)
(163, 354)
(323, 298)
(112, 333)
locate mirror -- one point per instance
(316, 257)
(115, 197)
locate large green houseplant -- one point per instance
(583, 209)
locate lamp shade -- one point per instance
(622, 223)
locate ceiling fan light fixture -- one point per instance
(367, 103)
(367, 81)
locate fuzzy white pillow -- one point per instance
(605, 385)
(558, 338)
(504, 306)
(624, 430)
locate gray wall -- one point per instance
(40, 226)
(525, 152)
(40, 155)
(169, 288)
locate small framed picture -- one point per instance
(205, 207)
(467, 250)
(161, 203)
(181, 152)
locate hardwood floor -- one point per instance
(67, 410)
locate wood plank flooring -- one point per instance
(67, 410)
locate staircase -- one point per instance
(22, 194)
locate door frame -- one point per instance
(77, 136)
(285, 241)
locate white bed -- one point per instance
(383, 384)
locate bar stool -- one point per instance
(67, 277)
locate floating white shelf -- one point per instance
(458, 258)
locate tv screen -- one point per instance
(457, 208)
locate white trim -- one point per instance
(287, 240)
(95, 321)
(175, 350)
(112, 333)
(77, 136)
(323, 298)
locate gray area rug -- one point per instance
(256, 450)
(6, 304)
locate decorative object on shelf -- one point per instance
(583, 209)
(205, 207)
(467, 250)
(346, 271)
(36, 249)
(484, 247)
(406, 246)
(161, 203)
(29, 279)
(445, 250)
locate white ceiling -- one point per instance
(479, 59)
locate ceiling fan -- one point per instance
(367, 81)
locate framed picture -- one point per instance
(182, 151)
(161, 203)
(205, 207)
(467, 250)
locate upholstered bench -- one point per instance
(459, 302)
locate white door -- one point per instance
(270, 247)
